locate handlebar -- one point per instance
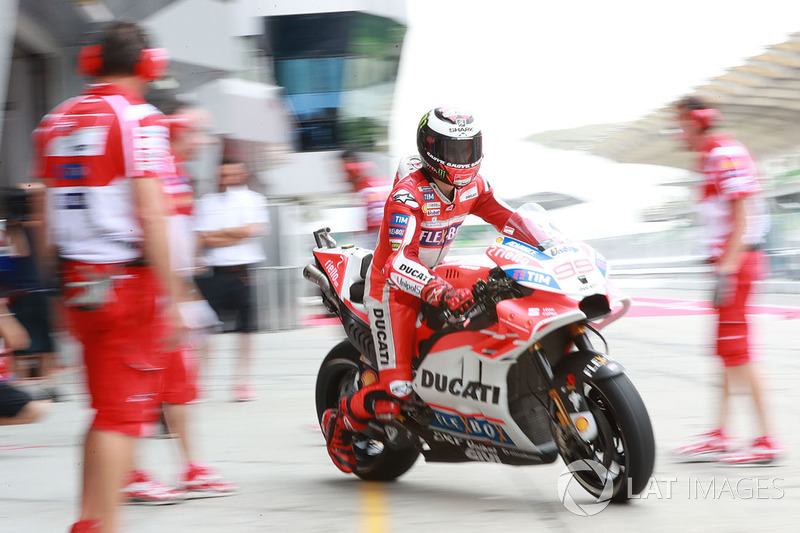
(486, 295)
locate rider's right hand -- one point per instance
(440, 293)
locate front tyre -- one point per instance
(338, 376)
(624, 444)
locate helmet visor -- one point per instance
(457, 153)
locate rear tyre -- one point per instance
(624, 445)
(338, 376)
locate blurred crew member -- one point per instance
(230, 224)
(197, 479)
(432, 195)
(735, 220)
(27, 285)
(16, 406)
(371, 190)
(103, 155)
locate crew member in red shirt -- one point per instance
(735, 219)
(433, 194)
(103, 155)
(371, 188)
(198, 479)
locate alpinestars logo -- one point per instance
(434, 294)
(405, 197)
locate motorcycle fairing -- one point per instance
(518, 326)
(568, 267)
(469, 396)
(343, 268)
(475, 426)
(446, 447)
(583, 365)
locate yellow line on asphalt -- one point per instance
(373, 508)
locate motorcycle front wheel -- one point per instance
(338, 376)
(624, 445)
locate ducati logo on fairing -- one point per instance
(455, 386)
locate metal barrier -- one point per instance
(278, 291)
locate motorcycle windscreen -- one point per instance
(531, 225)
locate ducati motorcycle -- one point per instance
(516, 379)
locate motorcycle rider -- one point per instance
(431, 196)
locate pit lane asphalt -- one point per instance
(273, 448)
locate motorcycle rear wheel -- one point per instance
(338, 376)
(624, 445)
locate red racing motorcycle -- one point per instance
(514, 380)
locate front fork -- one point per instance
(579, 422)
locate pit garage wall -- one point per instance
(8, 24)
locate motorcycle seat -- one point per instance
(366, 261)
(357, 288)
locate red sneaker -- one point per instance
(243, 393)
(201, 481)
(707, 447)
(85, 526)
(764, 451)
(142, 489)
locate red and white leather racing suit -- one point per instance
(419, 224)
(730, 173)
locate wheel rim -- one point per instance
(607, 448)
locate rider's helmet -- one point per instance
(451, 145)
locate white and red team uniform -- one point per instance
(180, 376)
(419, 224)
(730, 173)
(88, 151)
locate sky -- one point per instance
(524, 67)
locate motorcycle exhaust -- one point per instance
(315, 276)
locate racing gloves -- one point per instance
(440, 293)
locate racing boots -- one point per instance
(338, 427)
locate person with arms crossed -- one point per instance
(102, 156)
(230, 224)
